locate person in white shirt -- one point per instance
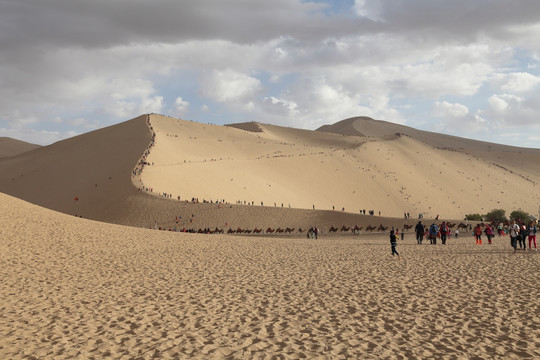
(514, 233)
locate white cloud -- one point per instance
(513, 111)
(128, 109)
(229, 86)
(517, 82)
(455, 117)
(370, 9)
(447, 109)
(180, 107)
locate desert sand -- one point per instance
(85, 275)
(76, 288)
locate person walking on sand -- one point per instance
(419, 230)
(514, 233)
(522, 236)
(444, 230)
(478, 234)
(433, 231)
(393, 243)
(489, 233)
(531, 229)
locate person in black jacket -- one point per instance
(393, 243)
(419, 229)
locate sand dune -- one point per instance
(12, 147)
(75, 288)
(302, 178)
(393, 174)
(94, 167)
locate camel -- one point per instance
(344, 228)
(407, 227)
(332, 229)
(370, 228)
(257, 231)
(270, 230)
(289, 230)
(279, 230)
(230, 231)
(382, 228)
(462, 226)
(356, 228)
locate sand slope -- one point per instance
(12, 147)
(391, 173)
(74, 288)
(94, 167)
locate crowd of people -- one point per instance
(519, 233)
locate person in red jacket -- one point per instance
(478, 234)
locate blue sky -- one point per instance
(468, 68)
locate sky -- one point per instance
(468, 68)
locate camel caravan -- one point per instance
(274, 231)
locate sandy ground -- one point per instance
(74, 288)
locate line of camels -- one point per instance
(354, 229)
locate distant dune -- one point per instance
(12, 147)
(259, 175)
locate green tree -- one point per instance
(519, 215)
(497, 215)
(473, 217)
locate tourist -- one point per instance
(489, 233)
(522, 236)
(419, 230)
(478, 234)
(444, 231)
(531, 229)
(514, 233)
(393, 243)
(433, 231)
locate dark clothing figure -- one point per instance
(419, 229)
(393, 243)
(522, 236)
(433, 230)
